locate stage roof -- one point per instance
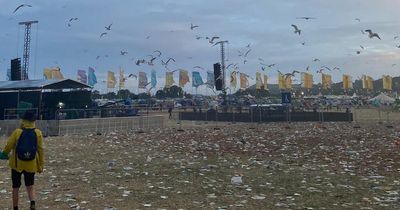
(41, 84)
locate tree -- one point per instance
(123, 94)
(96, 94)
(144, 96)
(174, 92)
(111, 95)
(160, 94)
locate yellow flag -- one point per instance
(169, 79)
(111, 81)
(364, 81)
(265, 82)
(282, 82)
(243, 81)
(47, 73)
(326, 81)
(387, 82)
(121, 79)
(370, 83)
(233, 79)
(183, 78)
(347, 83)
(259, 82)
(288, 82)
(306, 80)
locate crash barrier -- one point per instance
(85, 126)
(260, 116)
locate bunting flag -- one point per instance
(153, 79)
(306, 80)
(169, 79)
(92, 79)
(122, 79)
(53, 73)
(183, 77)
(370, 83)
(265, 82)
(364, 81)
(210, 79)
(387, 82)
(326, 81)
(281, 81)
(233, 79)
(111, 81)
(143, 80)
(288, 82)
(347, 83)
(259, 82)
(196, 79)
(82, 77)
(244, 82)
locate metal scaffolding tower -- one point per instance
(223, 69)
(27, 47)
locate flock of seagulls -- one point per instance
(243, 54)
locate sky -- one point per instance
(142, 26)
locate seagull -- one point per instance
(72, 19)
(151, 61)
(198, 37)
(260, 59)
(211, 41)
(199, 67)
(358, 19)
(296, 29)
(358, 52)
(308, 68)
(159, 53)
(326, 68)
(303, 43)
(394, 65)
(306, 18)
(336, 68)
(229, 65)
(193, 26)
(248, 46)
(362, 47)
(244, 62)
(372, 34)
(396, 37)
(147, 37)
(132, 75)
(316, 59)
(263, 68)
(108, 28)
(97, 58)
(102, 34)
(291, 74)
(245, 55)
(320, 71)
(218, 43)
(166, 63)
(271, 65)
(124, 52)
(20, 6)
(240, 53)
(398, 46)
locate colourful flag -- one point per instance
(122, 79)
(210, 79)
(387, 82)
(306, 80)
(196, 79)
(82, 77)
(111, 81)
(53, 73)
(265, 82)
(326, 81)
(153, 79)
(288, 82)
(244, 82)
(92, 77)
(281, 81)
(169, 79)
(364, 81)
(143, 80)
(259, 82)
(347, 82)
(370, 83)
(233, 79)
(183, 77)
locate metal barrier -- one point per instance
(86, 126)
(16, 113)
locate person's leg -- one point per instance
(16, 183)
(29, 179)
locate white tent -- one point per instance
(382, 99)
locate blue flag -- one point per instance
(153, 79)
(210, 79)
(196, 79)
(92, 80)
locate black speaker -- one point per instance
(15, 69)
(218, 76)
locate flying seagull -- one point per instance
(151, 61)
(358, 52)
(102, 34)
(316, 59)
(396, 37)
(108, 28)
(271, 65)
(199, 67)
(245, 55)
(159, 53)
(372, 34)
(260, 59)
(326, 68)
(306, 18)
(124, 52)
(20, 6)
(320, 71)
(362, 47)
(291, 74)
(198, 37)
(72, 19)
(296, 29)
(218, 43)
(193, 26)
(248, 46)
(211, 40)
(97, 58)
(358, 19)
(166, 63)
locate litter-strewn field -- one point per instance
(298, 168)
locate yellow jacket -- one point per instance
(32, 166)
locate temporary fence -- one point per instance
(90, 125)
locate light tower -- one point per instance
(223, 69)
(27, 47)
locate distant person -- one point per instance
(170, 112)
(27, 158)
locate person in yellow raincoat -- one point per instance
(27, 168)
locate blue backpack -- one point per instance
(27, 145)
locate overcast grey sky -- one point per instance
(334, 37)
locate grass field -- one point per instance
(303, 167)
